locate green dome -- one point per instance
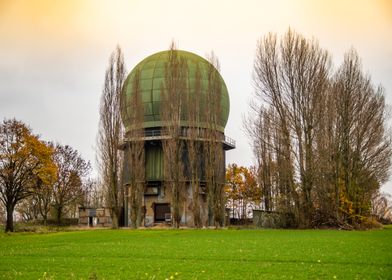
(152, 76)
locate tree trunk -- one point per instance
(134, 222)
(196, 205)
(139, 217)
(58, 215)
(211, 214)
(114, 219)
(176, 201)
(134, 205)
(45, 218)
(10, 218)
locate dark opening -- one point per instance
(160, 209)
(121, 221)
(90, 221)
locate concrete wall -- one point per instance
(186, 207)
(101, 218)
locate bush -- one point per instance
(369, 223)
(270, 219)
(64, 222)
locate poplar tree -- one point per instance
(110, 135)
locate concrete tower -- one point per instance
(148, 78)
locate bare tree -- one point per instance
(134, 158)
(213, 149)
(44, 196)
(275, 169)
(324, 137)
(364, 145)
(110, 135)
(174, 93)
(382, 207)
(327, 166)
(2, 213)
(194, 145)
(94, 195)
(259, 128)
(28, 208)
(68, 188)
(293, 78)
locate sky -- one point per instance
(53, 53)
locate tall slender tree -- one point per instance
(194, 145)
(213, 149)
(135, 152)
(364, 146)
(174, 94)
(110, 135)
(293, 78)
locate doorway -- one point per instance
(161, 211)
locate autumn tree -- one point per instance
(110, 135)
(24, 161)
(43, 192)
(234, 184)
(68, 188)
(174, 93)
(242, 191)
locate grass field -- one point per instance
(198, 254)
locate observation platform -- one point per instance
(158, 134)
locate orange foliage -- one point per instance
(241, 186)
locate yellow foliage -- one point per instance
(241, 183)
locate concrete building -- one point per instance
(157, 199)
(92, 216)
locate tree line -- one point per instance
(244, 193)
(38, 176)
(319, 135)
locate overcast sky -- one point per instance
(53, 53)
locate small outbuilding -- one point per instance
(92, 216)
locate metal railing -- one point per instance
(153, 133)
(183, 132)
(230, 141)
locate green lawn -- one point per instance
(198, 254)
